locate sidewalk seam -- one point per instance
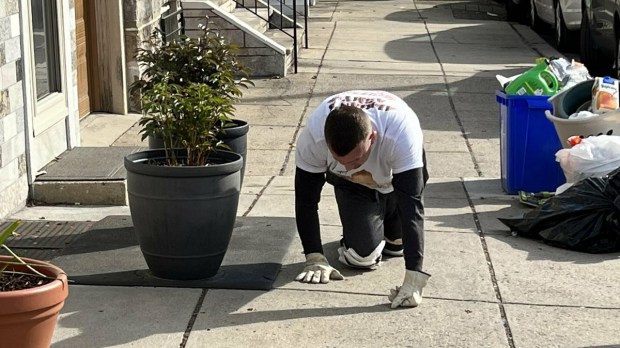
(525, 41)
(487, 257)
(258, 196)
(305, 110)
(450, 100)
(192, 319)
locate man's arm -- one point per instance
(308, 188)
(409, 187)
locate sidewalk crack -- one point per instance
(450, 100)
(192, 319)
(487, 257)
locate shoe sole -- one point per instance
(392, 252)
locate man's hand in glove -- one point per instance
(318, 270)
(410, 294)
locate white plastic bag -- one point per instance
(594, 157)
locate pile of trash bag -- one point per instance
(594, 156)
(585, 217)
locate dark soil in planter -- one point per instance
(182, 162)
(12, 282)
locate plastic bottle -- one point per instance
(536, 81)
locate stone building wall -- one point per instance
(13, 178)
(141, 18)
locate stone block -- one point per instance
(12, 49)
(11, 7)
(9, 172)
(251, 41)
(194, 23)
(13, 197)
(15, 96)
(257, 51)
(9, 125)
(9, 73)
(4, 103)
(137, 13)
(15, 27)
(234, 36)
(5, 28)
(217, 22)
(262, 66)
(13, 148)
(19, 117)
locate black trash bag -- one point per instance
(585, 217)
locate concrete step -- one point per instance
(84, 176)
(255, 20)
(262, 49)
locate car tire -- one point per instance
(616, 66)
(532, 16)
(563, 38)
(597, 64)
(512, 11)
(585, 50)
(515, 12)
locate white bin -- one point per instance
(607, 123)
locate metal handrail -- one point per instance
(172, 22)
(254, 10)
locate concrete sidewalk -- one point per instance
(488, 289)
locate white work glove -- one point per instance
(318, 270)
(410, 294)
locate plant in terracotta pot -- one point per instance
(32, 292)
(207, 60)
(183, 197)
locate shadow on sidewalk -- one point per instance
(490, 205)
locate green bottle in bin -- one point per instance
(537, 81)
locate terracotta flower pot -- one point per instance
(28, 317)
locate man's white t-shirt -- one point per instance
(397, 148)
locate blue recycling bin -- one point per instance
(528, 143)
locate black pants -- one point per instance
(367, 216)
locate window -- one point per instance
(46, 48)
(47, 60)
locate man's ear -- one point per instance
(373, 135)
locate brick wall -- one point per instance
(13, 179)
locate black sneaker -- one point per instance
(393, 247)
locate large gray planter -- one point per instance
(183, 217)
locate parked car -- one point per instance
(564, 16)
(600, 37)
(567, 23)
(515, 10)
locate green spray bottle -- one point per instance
(537, 81)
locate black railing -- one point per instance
(278, 20)
(172, 22)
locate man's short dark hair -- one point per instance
(345, 127)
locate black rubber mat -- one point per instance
(88, 163)
(109, 254)
(43, 239)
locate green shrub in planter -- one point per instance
(188, 88)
